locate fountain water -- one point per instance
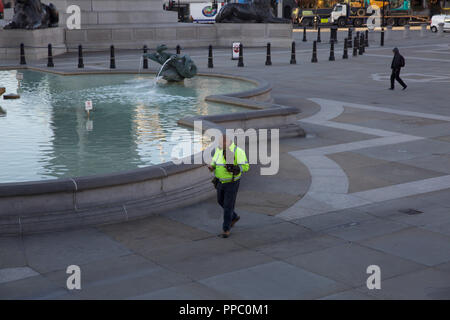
(140, 65)
(162, 68)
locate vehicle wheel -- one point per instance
(433, 29)
(306, 22)
(390, 22)
(361, 12)
(357, 22)
(341, 23)
(401, 22)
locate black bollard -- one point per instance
(80, 57)
(293, 60)
(210, 57)
(314, 54)
(333, 34)
(358, 38)
(360, 45)
(268, 55)
(355, 46)
(304, 34)
(345, 55)
(363, 42)
(349, 37)
(367, 39)
(241, 56)
(331, 58)
(22, 54)
(112, 60)
(382, 37)
(318, 35)
(178, 49)
(145, 60)
(50, 57)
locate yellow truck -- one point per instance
(312, 12)
(357, 13)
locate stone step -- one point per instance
(35, 42)
(150, 34)
(138, 5)
(38, 37)
(130, 17)
(142, 25)
(139, 44)
(109, 5)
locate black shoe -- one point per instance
(404, 88)
(233, 222)
(224, 234)
(391, 88)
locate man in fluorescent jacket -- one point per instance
(228, 163)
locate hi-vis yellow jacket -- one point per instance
(218, 163)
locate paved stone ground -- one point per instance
(337, 205)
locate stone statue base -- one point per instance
(34, 38)
(254, 34)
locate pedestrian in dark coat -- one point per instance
(398, 62)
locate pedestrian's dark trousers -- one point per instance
(226, 197)
(395, 75)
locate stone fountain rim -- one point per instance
(159, 171)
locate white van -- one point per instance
(204, 12)
(440, 18)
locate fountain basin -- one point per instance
(40, 206)
(48, 134)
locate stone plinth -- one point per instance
(254, 34)
(186, 35)
(108, 13)
(35, 42)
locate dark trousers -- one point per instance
(395, 75)
(226, 197)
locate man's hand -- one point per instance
(210, 168)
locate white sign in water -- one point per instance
(88, 105)
(19, 76)
(89, 125)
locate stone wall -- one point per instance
(254, 34)
(105, 13)
(36, 42)
(186, 35)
